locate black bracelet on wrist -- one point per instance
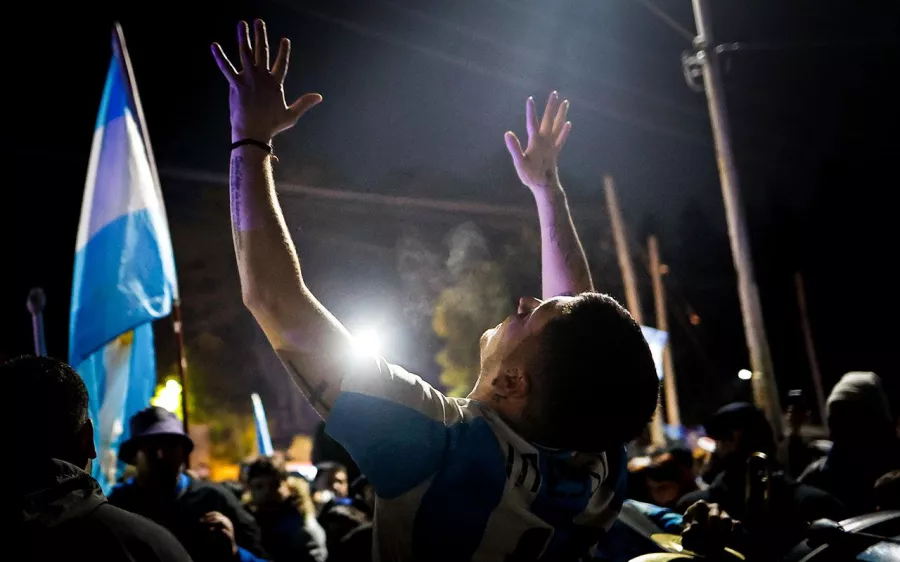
(253, 142)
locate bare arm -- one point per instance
(311, 343)
(564, 267)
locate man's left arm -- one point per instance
(564, 267)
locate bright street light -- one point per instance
(367, 342)
(745, 375)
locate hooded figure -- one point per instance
(865, 443)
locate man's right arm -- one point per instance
(312, 344)
(564, 267)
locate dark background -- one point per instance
(417, 97)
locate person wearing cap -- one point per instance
(741, 430)
(208, 519)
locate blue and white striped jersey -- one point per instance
(455, 483)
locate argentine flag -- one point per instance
(124, 267)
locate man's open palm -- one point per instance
(258, 109)
(536, 165)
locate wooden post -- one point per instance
(632, 298)
(765, 391)
(662, 322)
(810, 348)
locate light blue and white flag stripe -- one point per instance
(657, 340)
(263, 440)
(124, 267)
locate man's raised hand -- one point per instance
(256, 96)
(536, 165)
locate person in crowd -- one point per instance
(61, 512)
(778, 521)
(669, 477)
(208, 519)
(326, 449)
(865, 445)
(532, 462)
(285, 514)
(705, 529)
(363, 495)
(338, 513)
(796, 452)
(631, 535)
(356, 545)
(330, 483)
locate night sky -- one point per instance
(426, 89)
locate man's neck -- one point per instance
(146, 481)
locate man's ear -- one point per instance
(86, 439)
(511, 383)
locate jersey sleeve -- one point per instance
(393, 424)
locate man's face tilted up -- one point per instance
(505, 381)
(569, 373)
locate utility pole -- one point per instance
(632, 298)
(810, 348)
(705, 56)
(662, 323)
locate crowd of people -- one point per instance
(532, 465)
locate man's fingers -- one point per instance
(563, 135)
(531, 120)
(549, 113)
(560, 117)
(260, 44)
(224, 64)
(720, 522)
(244, 45)
(698, 512)
(279, 69)
(304, 104)
(514, 147)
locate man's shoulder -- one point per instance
(133, 531)
(122, 492)
(210, 491)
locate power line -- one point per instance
(542, 58)
(647, 124)
(442, 205)
(667, 19)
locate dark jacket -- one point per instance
(181, 511)
(288, 535)
(65, 516)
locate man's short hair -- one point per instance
(595, 382)
(266, 466)
(52, 404)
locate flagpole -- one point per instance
(37, 300)
(182, 361)
(128, 72)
